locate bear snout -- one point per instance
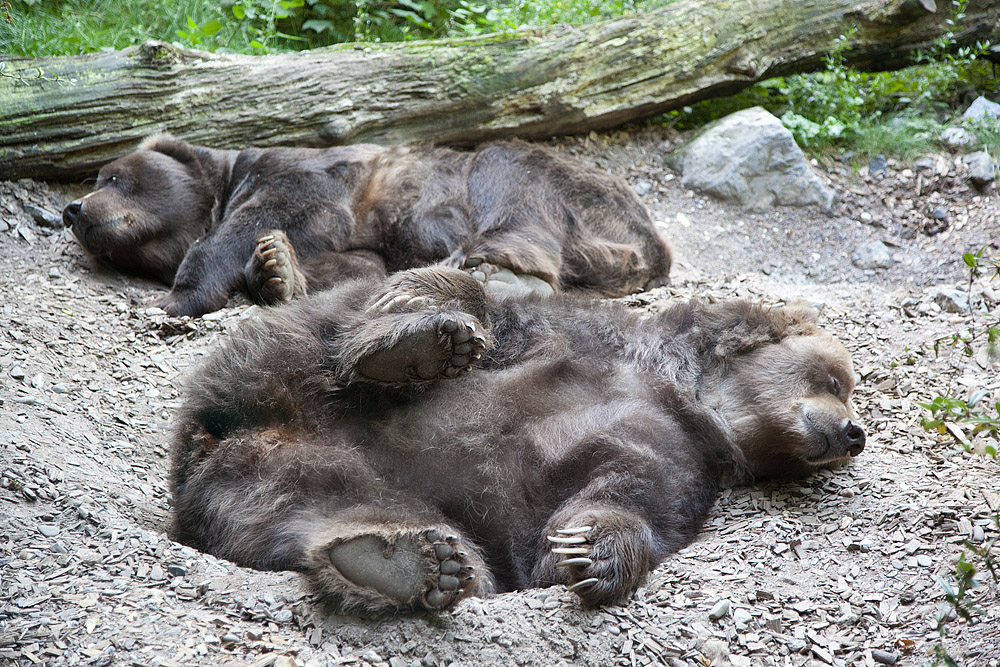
(71, 214)
(855, 438)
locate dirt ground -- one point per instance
(838, 569)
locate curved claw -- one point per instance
(576, 551)
(575, 531)
(576, 539)
(575, 561)
(583, 584)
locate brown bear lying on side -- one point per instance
(214, 222)
(344, 436)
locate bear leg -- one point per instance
(423, 325)
(379, 569)
(272, 273)
(602, 555)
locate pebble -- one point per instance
(957, 136)
(176, 570)
(952, 301)
(924, 560)
(875, 255)
(742, 618)
(884, 657)
(720, 609)
(17, 373)
(48, 530)
(642, 188)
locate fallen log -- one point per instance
(64, 117)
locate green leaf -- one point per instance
(211, 27)
(239, 12)
(192, 24)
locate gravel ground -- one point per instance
(838, 569)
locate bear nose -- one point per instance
(72, 213)
(855, 437)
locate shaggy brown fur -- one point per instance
(349, 436)
(211, 222)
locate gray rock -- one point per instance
(877, 164)
(48, 530)
(742, 618)
(751, 159)
(720, 609)
(43, 217)
(982, 169)
(642, 188)
(875, 255)
(924, 560)
(957, 136)
(884, 657)
(952, 301)
(982, 108)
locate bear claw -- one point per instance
(272, 272)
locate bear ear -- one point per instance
(802, 313)
(171, 146)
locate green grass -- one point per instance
(38, 28)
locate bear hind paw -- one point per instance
(423, 569)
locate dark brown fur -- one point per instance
(192, 218)
(348, 436)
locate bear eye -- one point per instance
(834, 386)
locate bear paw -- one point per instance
(272, 273)
(604, 564)
(426, 569)
(501, 282)
(443, 346)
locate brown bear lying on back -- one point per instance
(349, 436)
(213, 222)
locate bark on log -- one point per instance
(64, 117)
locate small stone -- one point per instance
(982, 169)
(875, 255)
(953, 301)
(17, 373)
(48, 530)
(884, 657)
(742, 618)
(924, 560)
(59, 388)
(720, 609)
(54, 273)
(939, 213)
(978, 534)
(877, 164)
(957, 136)
(371, 656)
(156, 573)
(283, 616)
(176, 570)
(150, 312)
(642, 188)
(58, 548)
(44, 218)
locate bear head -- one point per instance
(148, 208)
(786, 395)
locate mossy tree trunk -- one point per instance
(64, 117)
